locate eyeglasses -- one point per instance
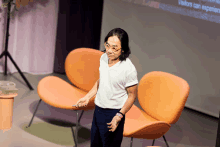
(114, 49)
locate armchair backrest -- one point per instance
(82, 67)
(163, 95)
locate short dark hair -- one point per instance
(123, 37)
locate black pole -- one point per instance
(7, 35)
(6, 53)
(218, 133)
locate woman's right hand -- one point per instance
(83, 102)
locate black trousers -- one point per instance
(100, 134)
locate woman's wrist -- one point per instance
(120, 115)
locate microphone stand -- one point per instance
(6, 53)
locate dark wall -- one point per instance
(79, 25)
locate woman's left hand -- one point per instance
(114, 123)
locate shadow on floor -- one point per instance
(56, 134)
(56, 125)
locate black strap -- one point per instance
(121, 113)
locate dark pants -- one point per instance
(100, 134)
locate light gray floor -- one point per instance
(192, 130)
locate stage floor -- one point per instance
(50, 127)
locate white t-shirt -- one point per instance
(113, 81)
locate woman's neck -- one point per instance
(113, 61)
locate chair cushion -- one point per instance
(163, 95)
(138, 124)
(82, 67)
(59, 93)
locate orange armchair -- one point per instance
(82, 69)
(162, 96)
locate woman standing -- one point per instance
(115, 91)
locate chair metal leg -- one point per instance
(77, 124)
(80, 116)
(153, 142)
(131, 141)
(74, 137)
(165, 141)
(34, 113)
